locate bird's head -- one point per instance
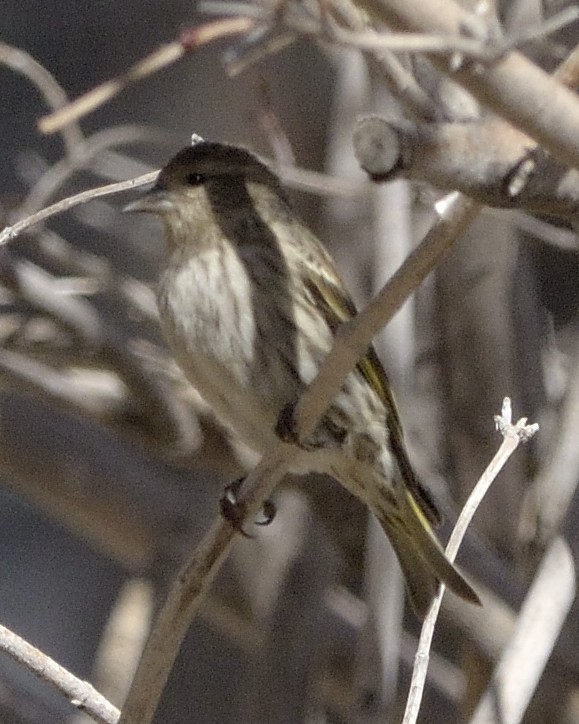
(200, 169)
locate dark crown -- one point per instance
(208, 160)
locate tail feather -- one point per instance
(421, 583)
(422, 558)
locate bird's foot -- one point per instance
(234, 511)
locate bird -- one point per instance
(250, 302)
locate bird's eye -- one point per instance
(195, 179)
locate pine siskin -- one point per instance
(249, 302)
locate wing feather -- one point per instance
(337, 306)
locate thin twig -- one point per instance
(66, 259)
(123, 638)
(314, 182)
(161, 58)
(149, 401)
(304, 179)
(513, 435)
(414, 43)
(80, 693)
(541, 30)
(568, 72)
(557, 236)
(63, 389)
(11, 232)
(390, 69)
(48, 184)
(483, 47)
(272, 126)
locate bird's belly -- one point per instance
(251, 417)
(215, 342)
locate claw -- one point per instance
(234, 512)
(269, 511)
(231, 509)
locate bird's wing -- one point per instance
(337, 307)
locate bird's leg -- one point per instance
(234, 511)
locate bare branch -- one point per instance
(161, 58)
(189, 590)
(568, 73)
(80, 693)
(156, 412)
(11, 232)
(513, 435)
(66, 259)
(513, 86)
(503, 163)
(63, 390)
(390, 69)
(123, 638)
(557, 236)
(94, 146)
(302, 21)
(489, 161)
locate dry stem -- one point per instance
(80, 693)
(513, 435)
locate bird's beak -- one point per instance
(155, 201)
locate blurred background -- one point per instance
(112, 466)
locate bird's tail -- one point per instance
(422, 558)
